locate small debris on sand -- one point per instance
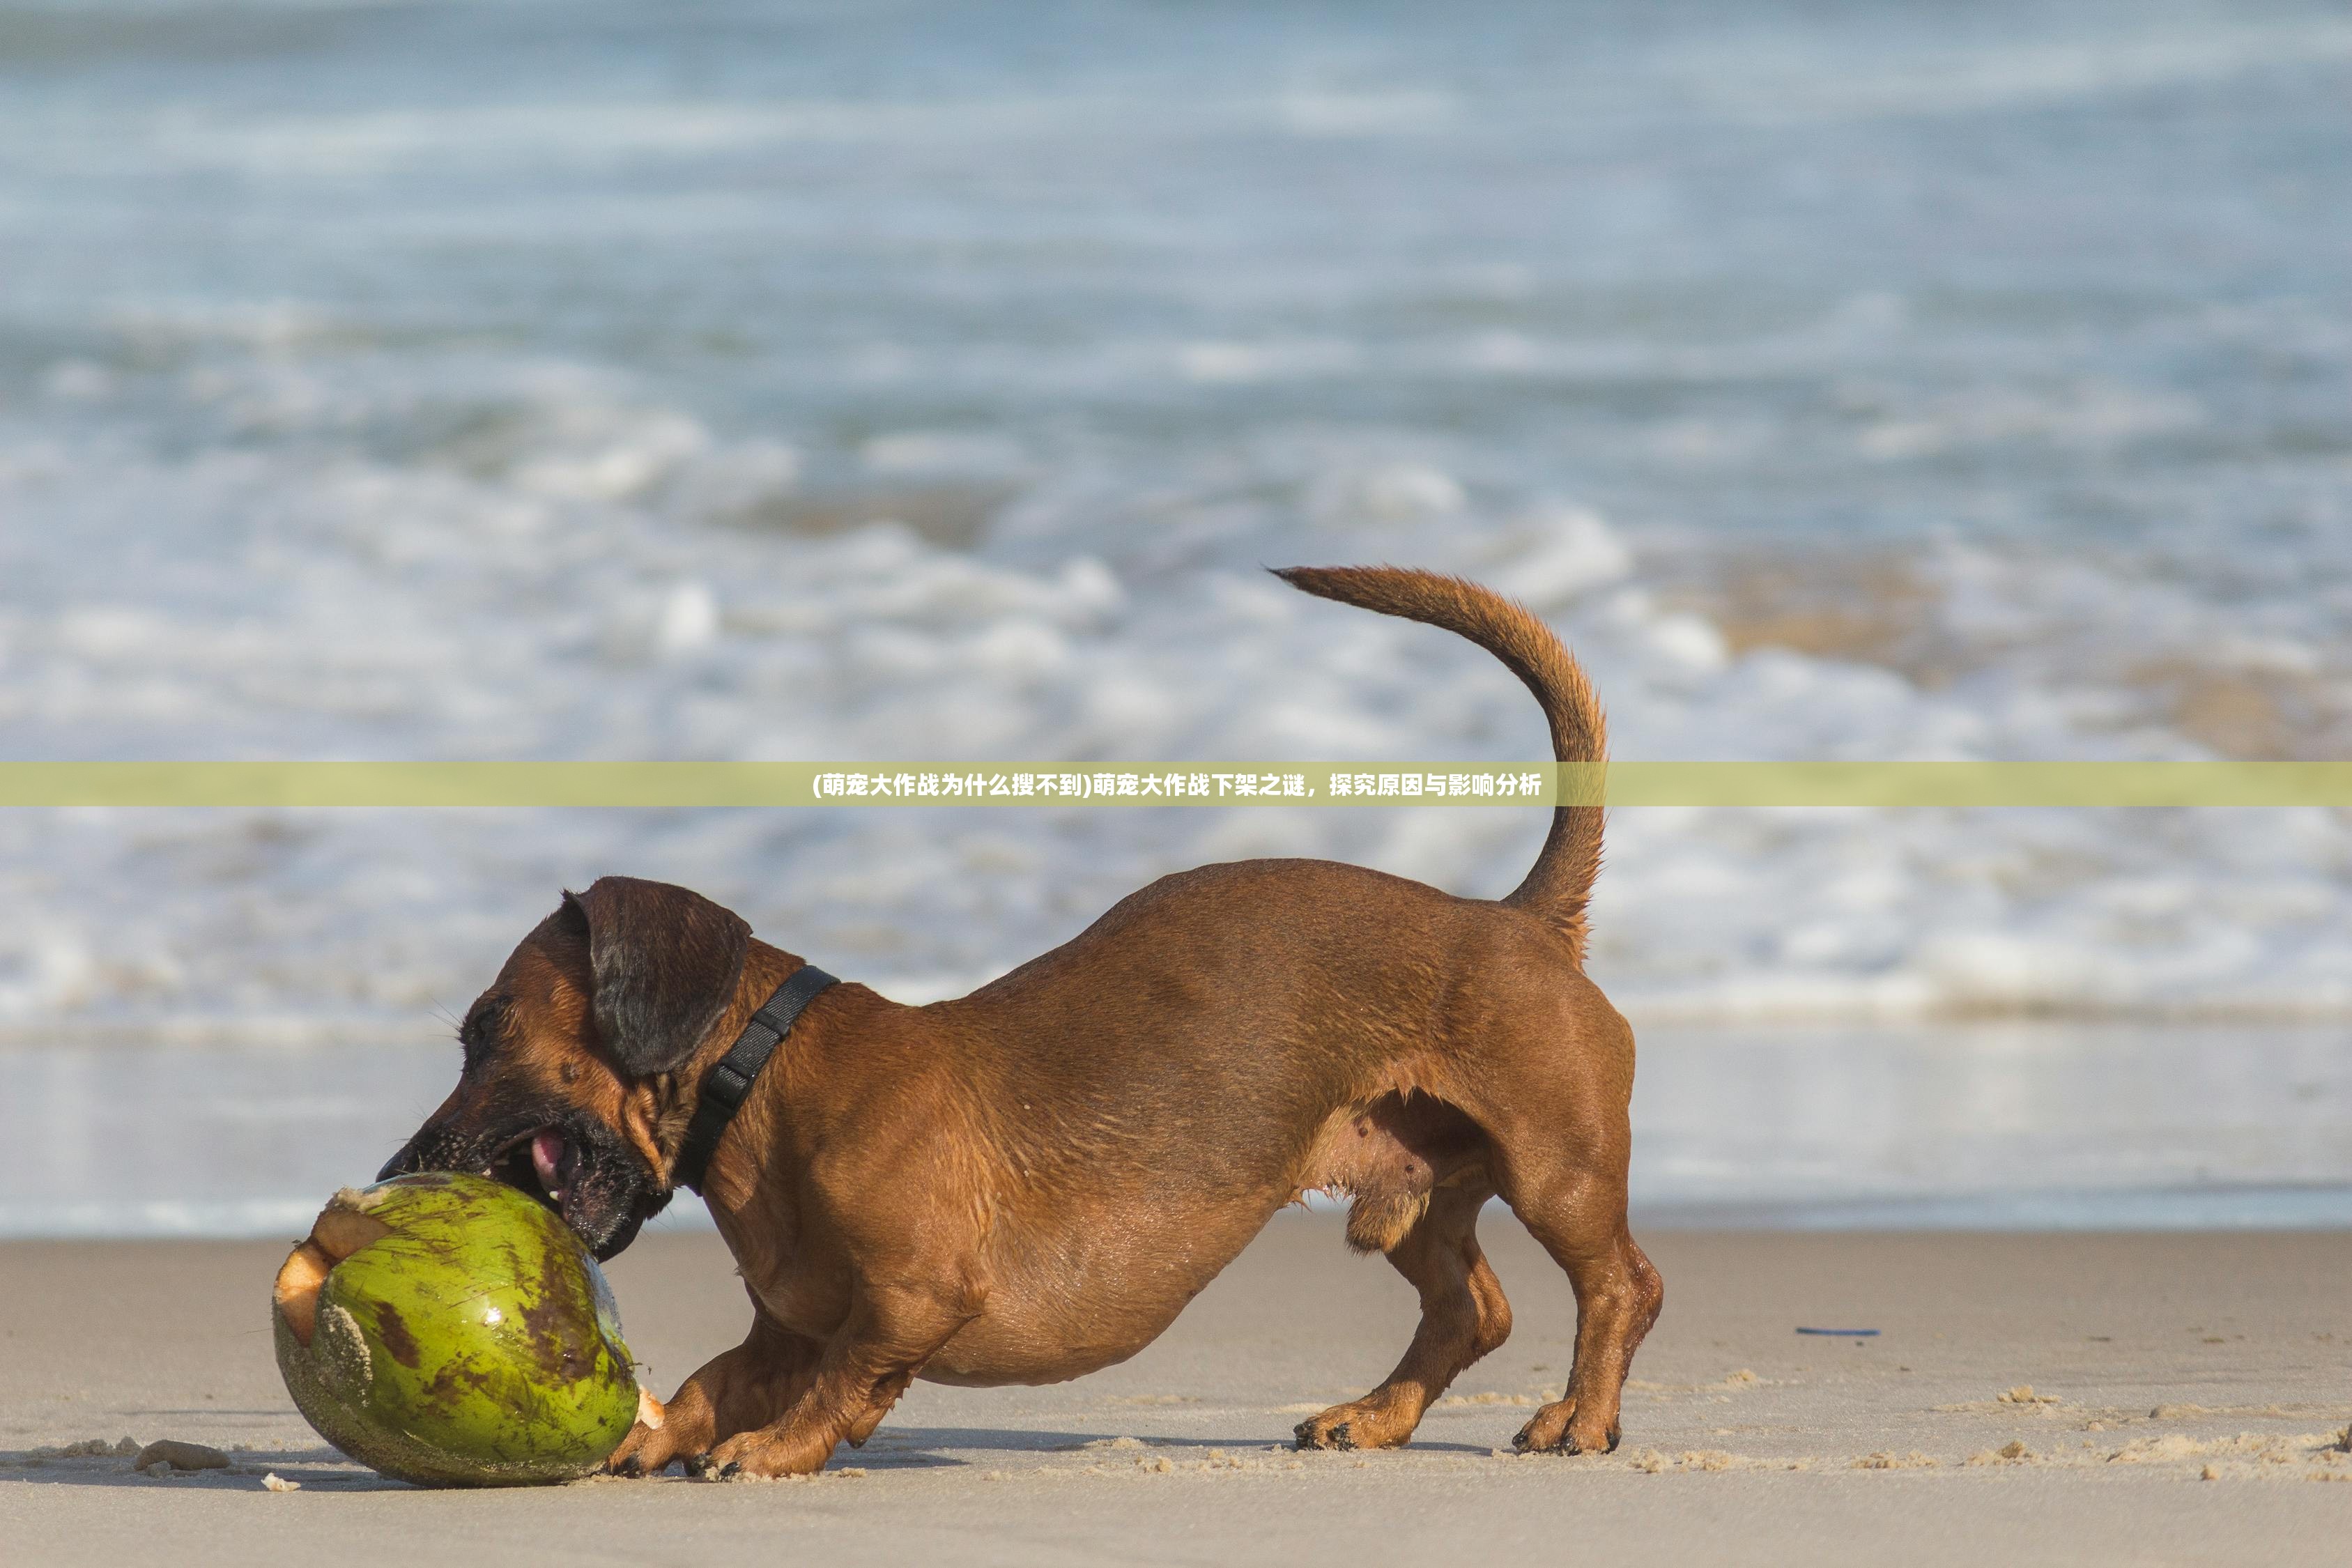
(2023, 1395)
(1652, 1462)
(2210, 1473)
(89, 1447)
(179, 1456)
(1914, 1460)
(2043, 1405)
(2013, 1452)
(2158, 1450)
(2263, 1448)
(2177, 1412)
(274, 1482)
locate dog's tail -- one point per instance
(1560, 883)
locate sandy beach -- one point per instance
(922, 392)
(2030, 1398)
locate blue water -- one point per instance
(2011, 1127)
(2071, 275)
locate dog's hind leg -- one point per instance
(1551, 1089)
(1618, 1294)
(1463, 1317)
(1571, 1196)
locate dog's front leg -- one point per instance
(891, 1331)
(739, 1391)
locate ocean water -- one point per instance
(890, 381)
(1987, 1126)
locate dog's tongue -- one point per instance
(547, 1159)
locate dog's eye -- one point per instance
(480, 1031)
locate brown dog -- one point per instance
(1030, 1183)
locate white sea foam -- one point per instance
(396, 613)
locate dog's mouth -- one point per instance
(585, 1174)
(543, 1161)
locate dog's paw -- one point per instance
(1372, 1422)
(645, 1452)
(1556, 1430)
(766, 1455)
(1318, 1433)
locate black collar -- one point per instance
(730, 1079)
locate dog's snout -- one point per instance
(405, 1164)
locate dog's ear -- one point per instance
(664, 963)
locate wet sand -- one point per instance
(2030, 1398)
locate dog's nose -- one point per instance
(400, 1164)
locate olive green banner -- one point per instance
(1375, 784)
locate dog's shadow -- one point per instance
(944, 1448)
(916, 1447)
(890, 1448)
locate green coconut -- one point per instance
(449, 1331)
